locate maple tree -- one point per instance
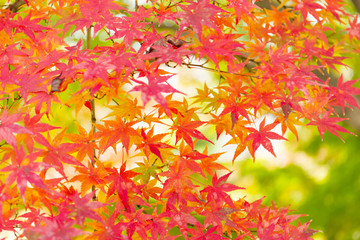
(57, 182)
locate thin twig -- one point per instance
(92, 104)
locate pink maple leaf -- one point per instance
(197, 14)
(8, 127)
(343, 93)
(327, 123)
(156, 86)
(217, 192)
(23, 173)
(262, 137)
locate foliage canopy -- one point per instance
(57, 181)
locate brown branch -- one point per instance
(14, 7)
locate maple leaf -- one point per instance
(156, 86)
(187, 161)
(89, 176)
(29, 83)
(326, 57)
(151, 143)
(26, 25)
(10, 55)
(44, 97)
(121, 182)
(216, 194)
(242, 7)
(96, 69)
(289, 121)
(6, 224)
(110, 229)
(197, 14)
(131, 27)
(212, 97)
(218, 48)
(222, 124)
(84, 143)
(23, 170)
(84, 207)
(236, 107)
(58, 153)
(36, 127)
(180, 217)
(8, 127)
(113, 131)
(137, 222)
(343, 93)
(238, 135)
(186, 128)
(126, 108)
(208, 163)
(215, 216)
(60, 227)
(177, 180)
(262, 137)
(167, 53)
(198, 233)
(335, 7)
(327, 123)
(354, 29)
(163, 12)
(261, 94)
(308, 7)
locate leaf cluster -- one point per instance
(159, 184)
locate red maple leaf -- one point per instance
(236, 107)
(7, 224)
(60, 227)
(199, 233)
(262, 137)
(308, 7)
(58, 152)
(29, 83)
(215, 216)
(36, 128)
(25, 25)
(180, 217)
(84, 208)
(335, 7)
(8, 127)
(156, 86)
(151, 143)
(121, 181)
(96, 69)
(110, 229)
(343, 93)
(43, 97)
(84, 142)
(186, 128)
(178, 180)
(113, 131)
(216, 194)
(242, 7)
(23, 170)
(220, 47)
(354, 29)
(327, 123)
(167, 53)
(197, 14)
(90, 176)
(137, 222)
